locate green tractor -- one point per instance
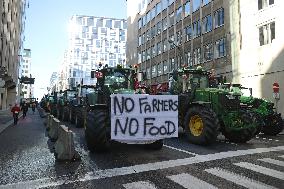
(116, 80)
(270, 121)
(63, 103)
(205, 111)
(80, 106)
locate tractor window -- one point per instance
(86, 91)
(118, 80)
(199, 81)
(71, 94)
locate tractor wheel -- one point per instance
(201, 125)
(96, 134)
(157, 145)
(242, 135)
(273, 125)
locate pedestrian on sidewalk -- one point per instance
(15, 110)
(25, 109)
(33, 107)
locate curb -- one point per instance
(9, 123)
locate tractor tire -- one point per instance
(65, 113)
(260, 123)
(157, 145)
(273, 125)
(245, 134)
(96, 134)
(201, 125)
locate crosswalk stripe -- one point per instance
(237, 179)
(188, 181)
(262, 170)
(272, 161)
(139, 185)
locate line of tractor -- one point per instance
(206, 106)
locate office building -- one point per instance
(238, 39)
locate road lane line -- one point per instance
(237, 179)
(108, 173)
(180, 150)
(273, 161)
(139, 185)
(190, 182)
(262, 170)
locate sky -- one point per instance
(46, 32)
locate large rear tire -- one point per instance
(273, 125)
(242, 135)
(201, 125)
(96, 134)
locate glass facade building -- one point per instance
(93, 41)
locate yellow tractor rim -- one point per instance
(196, 125)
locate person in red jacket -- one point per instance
(15, 110)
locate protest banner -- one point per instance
(141, 117)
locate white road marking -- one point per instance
(180, 150)
(272, 161)
(108, 173)
(282, 156)
(188, 181)
(139, 185)
(237, 179)
(262, 170)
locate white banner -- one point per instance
(140, 117)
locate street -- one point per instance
(27, 161)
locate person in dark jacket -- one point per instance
(25, 109)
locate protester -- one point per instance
(25, 109)
(15, 110)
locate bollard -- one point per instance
(53, 129)
(64, 146)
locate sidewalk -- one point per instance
(6, 119)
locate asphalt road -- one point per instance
(27, 161)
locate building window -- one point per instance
(165, 45)
(188, 59)
(148, 35)
(165, 23)
(179, 37)
(148, 17)
(220, 48)
(160, 69)
(266, 33)
(219, 18)
(139, 40)
(205, 2)
(153, 13)
(159, 48)
(172, 39)
(172, 64)
(164, 4)
(158, 8)
(187, 9)
(196, 29)
(139, 58)
(207, 24)
(148, 73)
(144, 20)
(208, 52)
(196, 5)
(196, 56)
(172, 19)
(264, 3)
(154, 51)
(165, 66)
(178, 14)
(143, 56)
(143, 39)
(148, 54)
(159, 27)
(154, 71)
(188, 33)
(153, 31)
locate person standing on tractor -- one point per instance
(15, 110)
(25, 109)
